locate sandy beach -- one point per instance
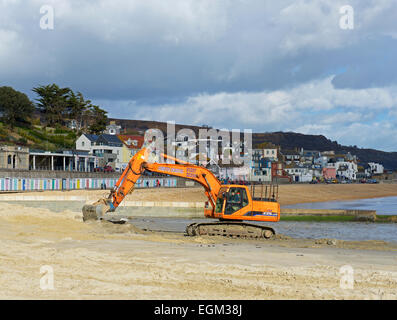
(288, 194)
(100, 260)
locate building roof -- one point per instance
(129, 139)
(110, 139)
(91, 137)
(290, 153)
(309, 153)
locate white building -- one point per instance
(86, 141)
(70, 160)
(260, 168)
(72, 124)
(234, 173)
(271, 153)
(317, 173)
(308, 156)
(198, 151)
(112, 128)
(321, 161)
(107, 147)
(261, 175)
(291, 157)
(345, 169)
(375, 168)
(300, 174)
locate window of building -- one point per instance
(9, 160)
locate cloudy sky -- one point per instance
(263, 65)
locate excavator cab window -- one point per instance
(219, 202)
(236, 199)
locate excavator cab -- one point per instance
(231, 200)
(239, 202)
(236, 200)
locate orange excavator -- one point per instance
(230, 204)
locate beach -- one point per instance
(100, 260)
(288, 194)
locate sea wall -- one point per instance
(26, 180)
(48, 184)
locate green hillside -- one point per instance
(43, 124)
(37, 137)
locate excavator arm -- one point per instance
(136, 167)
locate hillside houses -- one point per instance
(268, 163)
(310, 165)
(272, 164)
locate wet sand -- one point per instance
(99, 260)
(288, 194)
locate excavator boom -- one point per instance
(137, 165)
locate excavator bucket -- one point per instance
(95, 211)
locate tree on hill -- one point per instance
(88, 117)
(99, 120)
(61, 104)
(78, 109)
(15, 106)
(53, 103)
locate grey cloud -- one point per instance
(151, 54)
(137, 56)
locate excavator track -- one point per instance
(230, 229)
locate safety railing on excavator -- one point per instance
(264, 192)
